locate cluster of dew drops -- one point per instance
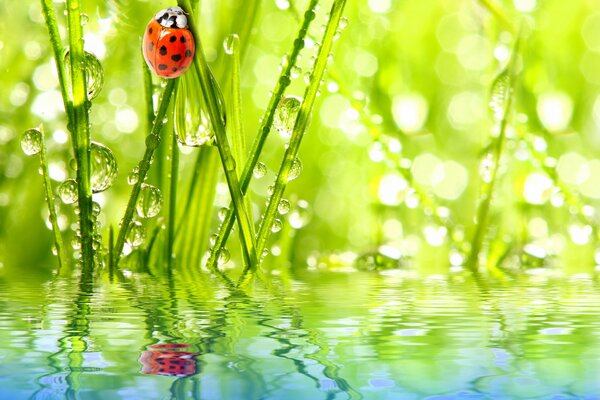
(104, 168)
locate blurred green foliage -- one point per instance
(392, 160)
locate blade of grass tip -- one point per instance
(80, 128)
(498, 13)
(152, 142)
(238, 143)
(58, 240)
(211, 94)
(506, 100)
(301, 123)
(267, 121)
(111, 249)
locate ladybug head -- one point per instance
(172, 17)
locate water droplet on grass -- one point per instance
(284, 207)
(31, 142)
(68, 191)
(260, 170)
(343, 22)
(296, 170)
(286, 115)
(231, 43)
(277, 225)
(149, 202)
(136, 234)
(499, 95)
(296, 71)
(486, 167)
(222, 213)
(134, 175)
(104, 167)
(93, 71)
(223, 257)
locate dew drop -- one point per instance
(223, 257)
(283, 207)
(104, 167)
(499, 95)
(213, 239)
(277, 225)
(68, 191)
(93, 71)
(271, 190)
(149, 202)
(31, 142)
(343, 22)
(222, 213)
(286, 115)
(191, 118)
(260, 170)
(134, 175)
(231, 43)
(295, 170)
(136, 234)
(96, 209)
(296, 71)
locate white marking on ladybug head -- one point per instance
(172, 17)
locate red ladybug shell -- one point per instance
(168, 51)
(161, 361)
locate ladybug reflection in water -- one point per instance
(168, 43)
(168, 360)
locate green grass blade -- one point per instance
(301, 123)
(497, 151)
(267, 121)
(211, 94)
(152, 142)
(172, 215)
(58, 240)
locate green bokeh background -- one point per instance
(415, 75)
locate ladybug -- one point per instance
(168, 360)
(168, 43)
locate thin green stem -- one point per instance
(172, 200)
(58, 240)
(152, 142)
(80, 131)
(238, 143)
(267, 121)
(498, 13)
(301, 124)
(211, 94)
(498, 147)
(148, 93)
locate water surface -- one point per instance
(308, 336)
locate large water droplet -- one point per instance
(149, 202)
(223, 257)
(93, 72)
(192, 121)
(260, 170)
(286, 115)
(31, 142)
(283, 207)
(296, 170)
(499, 95)
(68, 191)
(231, 43)
(104, 167)
(136, 234)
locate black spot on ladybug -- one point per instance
(172, 38)
(182, 39)
(162, 67)
(176, 57)
(150, 30)
(150, 46)
(174, 69)
(188, 53)
(163, 50)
